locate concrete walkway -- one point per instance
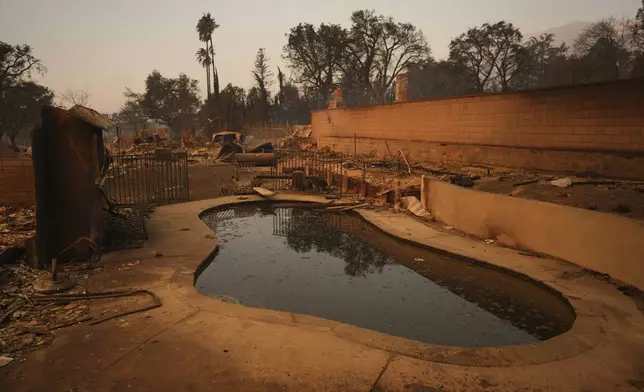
(197, 343)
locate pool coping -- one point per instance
(601, 310)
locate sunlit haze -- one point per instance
(105, 46)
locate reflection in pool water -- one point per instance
(339, 267)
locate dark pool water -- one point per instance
(339, 267)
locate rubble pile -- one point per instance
(16, 226)
(220, 148)
(143, 148)
(191, 139)
(198, 150)
(300, 139)
(207, 154)
(26, 323)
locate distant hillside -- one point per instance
(566, 33)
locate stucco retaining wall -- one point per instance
(601, 242)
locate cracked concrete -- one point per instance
(199, 343)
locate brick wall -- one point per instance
(17, 181)
(599, 117)
(613, 165)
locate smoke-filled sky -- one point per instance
(104, 46)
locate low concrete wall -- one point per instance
(601, 242)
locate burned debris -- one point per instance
(53, 248)
(26, 323)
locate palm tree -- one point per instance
(205, 28)
(203, 57)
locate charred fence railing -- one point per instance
(150, 179)
(303, 171)
(234, 178)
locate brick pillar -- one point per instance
(402, 88)
(337, 96)
(336, 99)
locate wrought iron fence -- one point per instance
(233, 178)
(245, 174)
(223, 180)
(303, 171)
(159, 178)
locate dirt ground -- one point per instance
(620, 198)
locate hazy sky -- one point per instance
(104, 46)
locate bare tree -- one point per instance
(74, 97)
(401, 45)
(377, 50)
(507, 52)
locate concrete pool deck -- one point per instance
(199, 343)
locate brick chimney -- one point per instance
(336, 99)
(402, 88)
